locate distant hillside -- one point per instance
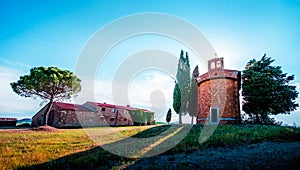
(24, 122)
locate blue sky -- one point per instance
(53, 33)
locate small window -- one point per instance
(212, 65)
(113, 110)
(219, 64)
(111, 119)
(101, 118)
(125, 119)
(103, 109)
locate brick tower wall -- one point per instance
(221, 93)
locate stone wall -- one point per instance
(8, 121)
(38, 119)
(71, 118)
(89, 115)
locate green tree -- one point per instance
(47, 83)
(177, 99)
(139, 117)
(193, 100)
(169, 115)
(183, 83)
(149, 118)
(266, 91)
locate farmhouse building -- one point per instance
(90, 114)
(8, 121)
(218, 94)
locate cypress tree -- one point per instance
(182, 87)
(169, 115)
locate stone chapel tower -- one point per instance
(218, 94)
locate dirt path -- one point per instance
(266, 155)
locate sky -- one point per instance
(54, 33)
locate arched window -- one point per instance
(219, 64)
(212, 65)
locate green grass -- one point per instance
(236, 135)
(26, 148)
(73, 148)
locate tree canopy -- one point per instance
(47, 83)
(139, 117)
(182, 86)
(169, 115)
(176, 98)
(266, 91)
(193, 100)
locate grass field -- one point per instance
(79, 149)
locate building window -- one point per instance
(125, 119)
(212, 65)
(113, 110)
(219, 64)
(111, 119)
(101, 118)
(103, 109)
(214, 115)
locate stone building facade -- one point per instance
(218, 94)
(90, 114)
(8, 121)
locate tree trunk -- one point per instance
(192, 120)
(257, 119)
(180, 118)
(48, 111)
(264, 118)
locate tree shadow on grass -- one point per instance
(107, 156)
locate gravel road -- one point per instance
(266, 155)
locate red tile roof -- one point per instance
(127, 108)
(117, 106)
(8, 119)
(78, 107)
(69, 106)
(106, 105)
(223, 73)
